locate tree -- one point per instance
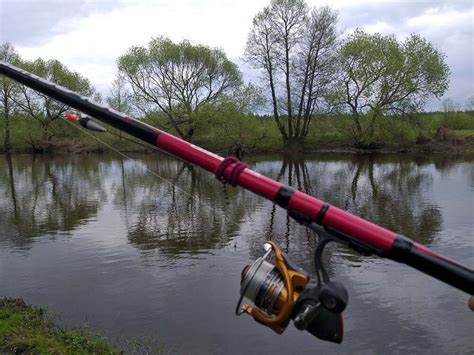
(120, 97)
(232, 120)
(178, 79)
(294, 48)
(42, 108)
(381, 76)
(448, 105)
(449, 108)
(470, 104)
(8, 90)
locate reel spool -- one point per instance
(280, 292)
(273, 288)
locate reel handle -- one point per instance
(333, 296)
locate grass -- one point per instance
(464, 133)
(26, 329)
(221, 133)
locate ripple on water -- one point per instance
(138, 259)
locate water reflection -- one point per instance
(393, 195)
(43, 196)
(185, 210)
(133, 235)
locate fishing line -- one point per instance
(196, 198)
(146, 145)
(279, 292)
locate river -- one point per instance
(153, 261)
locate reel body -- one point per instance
(280, 291)
(273, 288)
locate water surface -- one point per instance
(98, 239)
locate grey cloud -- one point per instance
(455, 40)
(457, 43)
(396, 12)
(30, 22)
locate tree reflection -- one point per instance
(43, 196)
(393, 193)
(180, 208)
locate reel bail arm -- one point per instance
(280, 292)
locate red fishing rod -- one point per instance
(279, 290)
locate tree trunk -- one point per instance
(12, 186)
(175, 125)
(7, 144)
(355, 116)
(371, 133)
(288, 97)
(281, 128)
(189, 134)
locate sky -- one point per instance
(89, 35)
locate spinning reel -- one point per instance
(281, 291)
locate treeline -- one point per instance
(362, 90)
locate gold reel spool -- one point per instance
(273, 288)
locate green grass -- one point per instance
(26, 329)
(463, 133)
(221, 133)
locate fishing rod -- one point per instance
(279, 290)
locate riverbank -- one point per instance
(60, 146)
(27, 329)
(429, 133)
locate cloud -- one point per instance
(89, 35)
(446, 24)
(451, 31)
(95, 39)
(29, 23)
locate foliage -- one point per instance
(120, 97)
(230, 122)
(178, 79)
(42, 108)
(8, 90)
(454, 120)
(225, 129)
(25, 329)
(294, 47)
(381, 76)
(470, 104)
(448, 105)
(367, 92)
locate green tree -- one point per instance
(470, 104)
(232, 122)
(178, 79)
(293, 47)
(380, 75)
(8, 91)
(42, 108)
(120, 97)
(449, 107)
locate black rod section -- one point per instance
(84, 104)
